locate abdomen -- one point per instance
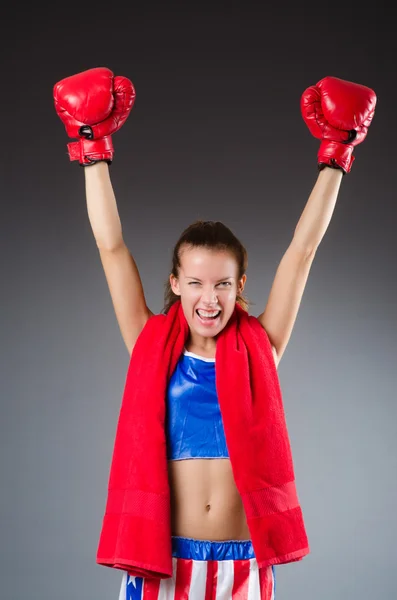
(205, 502)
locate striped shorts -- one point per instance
(206, 570)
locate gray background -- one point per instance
(216, 133)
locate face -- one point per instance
(207, 285)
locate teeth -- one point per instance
(204, 313)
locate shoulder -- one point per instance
(275, 356)
(254, 321)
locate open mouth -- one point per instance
(208, 316)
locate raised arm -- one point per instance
(339, 113)
(121, 272)
(93, 105)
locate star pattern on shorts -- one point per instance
(131, 579)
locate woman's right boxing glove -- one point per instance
(92, 105)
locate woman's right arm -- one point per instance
(121, 272)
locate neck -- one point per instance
(201, 345)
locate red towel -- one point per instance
(136, 529)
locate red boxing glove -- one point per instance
(338, 112)
(93, 105)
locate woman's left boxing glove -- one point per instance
(338, 112)
(93, 105)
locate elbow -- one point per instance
(307, 248)
(110, 246)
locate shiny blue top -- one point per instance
(194, 427)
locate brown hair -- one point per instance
(207, 234)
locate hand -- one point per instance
(93, 105)
(338, 112)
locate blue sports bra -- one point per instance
(193, 425)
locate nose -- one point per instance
(209, 296)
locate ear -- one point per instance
(174, 282)
(241, 283)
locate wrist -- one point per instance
(330, 173)
(97, 171)
(335, 155)
(89, 152)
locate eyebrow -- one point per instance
(197, 279)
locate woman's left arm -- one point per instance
(338, 113)
(289, 283)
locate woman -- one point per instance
(211, 542)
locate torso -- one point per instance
(205, 502)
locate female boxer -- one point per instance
(211, 546)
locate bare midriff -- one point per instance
(205, 502)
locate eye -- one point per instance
(227, 283)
